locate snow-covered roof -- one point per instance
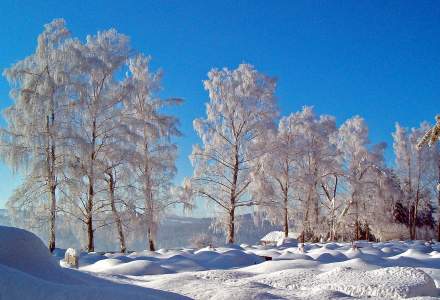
(275, 236)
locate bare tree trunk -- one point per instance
(51, 180)
(89, 221)
(413, 216)
(286, 196)
(302, 237)
(231, 224)
(149, 219)
(286, 216)
(367, 231)
(357, 231)
(91, 194)
(51, 245)
(151, 244)
(231, 227)
(117, 218)
(410, 221)
(148, 194)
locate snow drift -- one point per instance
(28, 271)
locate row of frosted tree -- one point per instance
(94, 145)
(90, 141)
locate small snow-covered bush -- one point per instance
(393, 231)
(201, 240)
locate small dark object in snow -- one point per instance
(266, 258)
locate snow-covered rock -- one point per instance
(71, 257)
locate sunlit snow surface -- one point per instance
(390, 270)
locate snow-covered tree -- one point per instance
(361, 160)
(299, 161)
(316, 164)
(417, 169)
(34, 139)
(273, 183)
(117, 173)
(94, 117)
(151, 132)
(430, 138)
(240, 112)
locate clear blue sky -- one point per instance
(378, 59)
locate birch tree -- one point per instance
(94, 115)
(151, 131)
(360, 161)
(430, 138)
(240, 111)
(273, 183)
(318, 160)
(417, 170)
(34, 138)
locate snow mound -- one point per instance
(287, 242)
(24, 251)
(387, 283)
(138, 268)
(29, 272)
(173, 262)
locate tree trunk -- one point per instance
(410, 221)
(91, 193)
(148, 195)
(51, 180)
(117, 218)
(89, 221)
(231, 227)
(149, 214)
(231, 224)
(151, 239)
(416, 211)
(357, 230)
(367, 231)
(286, 217)
(286, 195)
(51, 245)
(90, 243)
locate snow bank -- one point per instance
(28, 271)
(24, 251)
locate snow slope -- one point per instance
(28, 271)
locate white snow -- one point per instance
(28, 271)
(275, 236)
(390, 270)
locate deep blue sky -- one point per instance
(378, 59)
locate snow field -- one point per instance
(392, 270)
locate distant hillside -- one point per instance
(4, 219)
(178, 231)
(174, 232)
